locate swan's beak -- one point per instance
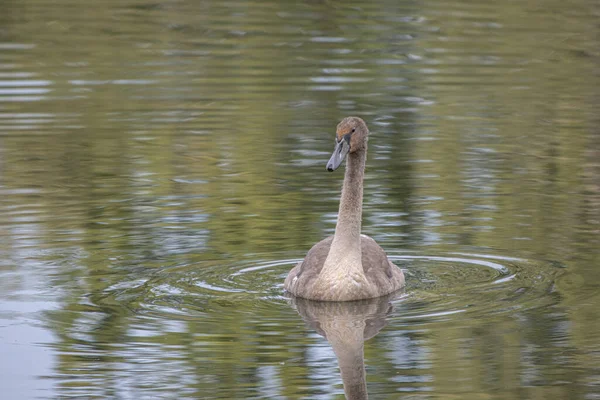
(339, 153)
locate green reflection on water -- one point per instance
(148, 152)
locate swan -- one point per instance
(346, 266)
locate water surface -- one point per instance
(162, 167)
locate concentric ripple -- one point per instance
(473, 284)
(437, 285)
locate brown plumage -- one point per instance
(346, 266)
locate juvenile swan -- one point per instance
(346, 266)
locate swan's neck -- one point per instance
(346, 241)
(347, 230)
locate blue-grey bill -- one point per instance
(339, 153)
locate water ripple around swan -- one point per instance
(438, 286)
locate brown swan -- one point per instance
(346, 266)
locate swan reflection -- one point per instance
(346, 326)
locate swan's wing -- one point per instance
(374, 259)
(309, 268)
(378, 269)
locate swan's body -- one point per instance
(346, 266)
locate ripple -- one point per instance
(475, 285)
(328, 39)
(438, 286)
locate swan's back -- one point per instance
(382, 276)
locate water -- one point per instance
(162, 167)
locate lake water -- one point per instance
(162, 167)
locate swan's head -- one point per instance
(351, 136)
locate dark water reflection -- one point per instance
(162, 167)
